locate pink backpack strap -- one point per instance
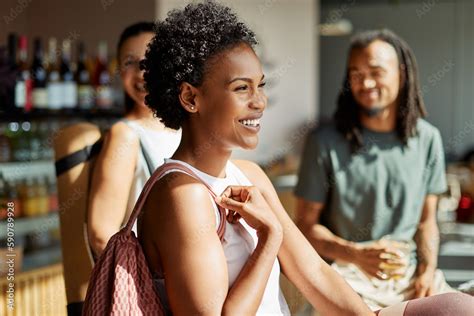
(146, 190)
(155, 177)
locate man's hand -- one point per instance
(424, 284)
(379, 261)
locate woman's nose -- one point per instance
(259, 101)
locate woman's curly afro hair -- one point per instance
(182, 45)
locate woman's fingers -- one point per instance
(234, 192)
(229, 203)
(233, 217)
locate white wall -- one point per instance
(288, 50)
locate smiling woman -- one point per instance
(204, 77)
(132, 149)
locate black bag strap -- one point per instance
(82, 155)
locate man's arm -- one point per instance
(369, 258)
(427, 242)
(322, 239)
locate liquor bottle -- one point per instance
(35, 142)
(53, 194)
(23, 81)
(85, 91)
(44, 134)
(54, 86)
(11, 68)
(42, 197)
(5, 145)
(104, 93)
(29, 198)
(22, 150)
(38, 71)
(13, 197)
(4, 80)
(3, 198)
(13, 134)
(12, 49)
(69, 86)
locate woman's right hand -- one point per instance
(248, 202)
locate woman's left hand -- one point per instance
(424, 284)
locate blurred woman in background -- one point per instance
(134, 147)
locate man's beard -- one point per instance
(373, 111)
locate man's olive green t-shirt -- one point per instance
(377, 191)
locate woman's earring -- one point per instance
(192, 107)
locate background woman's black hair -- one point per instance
(411, 106)
(181, 50)
(131, 31)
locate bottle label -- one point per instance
(20, 94)
(69, 94)
(104, 97)
(28, 94)
(40, 98)
(55, 94)
(85, 96)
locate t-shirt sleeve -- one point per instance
(436, 173)
(312, 177)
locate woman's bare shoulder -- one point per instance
(182, 198)
(254, 173)
(120, 131)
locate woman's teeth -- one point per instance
(253, 123)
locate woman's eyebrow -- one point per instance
(131, 55)
(244, 79)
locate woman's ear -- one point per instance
(187, 97)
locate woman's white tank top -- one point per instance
(156, 145)
(240, 241)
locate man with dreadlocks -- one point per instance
(376, 171)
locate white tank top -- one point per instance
(158, 145)
(240, 241)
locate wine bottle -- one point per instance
(85, 90)
(13, 134)
(53, 85)
(12, 67)
(69, 86)
(5, 144)
(38, 71)
(3, 198)
(104, 93)
(23, 81)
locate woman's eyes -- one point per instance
(241, 88)
(131, 63)
(245, 87)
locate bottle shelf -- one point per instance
(42, 258)
(31, 225)
(9, 115)
(27, 169)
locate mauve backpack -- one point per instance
(121, 282)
